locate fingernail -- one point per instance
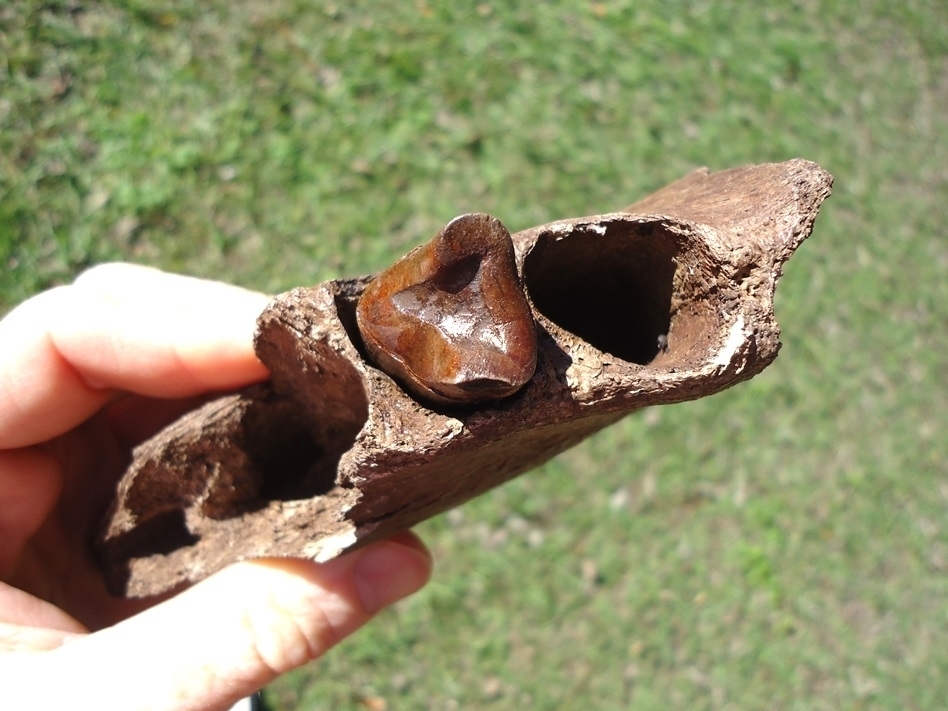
(389, 571)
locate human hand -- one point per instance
(86, 372)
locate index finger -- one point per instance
(120, 327)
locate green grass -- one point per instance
(781, 545)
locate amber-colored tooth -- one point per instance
(450, 320)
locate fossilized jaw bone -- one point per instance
(333, 452)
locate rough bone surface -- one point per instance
(669, 299)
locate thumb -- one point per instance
(225, 637)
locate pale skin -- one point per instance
(86, 371)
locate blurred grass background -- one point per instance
(780, 545)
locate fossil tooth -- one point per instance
(449, 319)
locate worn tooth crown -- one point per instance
(450, 320)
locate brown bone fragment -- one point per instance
(668, 300)
(450, 319)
